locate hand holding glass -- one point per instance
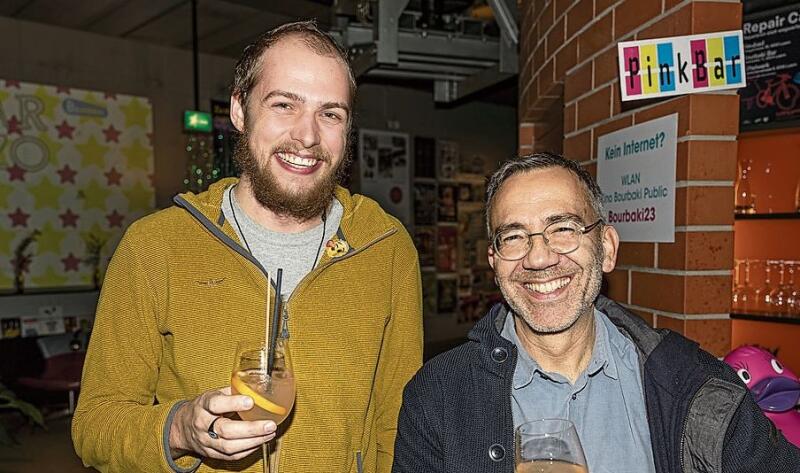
(549, 446)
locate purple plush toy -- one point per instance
(775, 388)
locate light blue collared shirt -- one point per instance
(606, 403)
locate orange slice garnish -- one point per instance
(257, 398)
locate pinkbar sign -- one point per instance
(681, 65)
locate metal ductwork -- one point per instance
(460, 54)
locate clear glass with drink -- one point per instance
(273, 394)
(549, 446)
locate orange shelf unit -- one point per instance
(774, 178)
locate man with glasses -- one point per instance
(642, 400)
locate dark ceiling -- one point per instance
(224, 27)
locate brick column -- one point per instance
(569, 59)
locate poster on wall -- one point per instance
(76, 170)
(384, 163)
(678, 65)
(447, 158)
(636, 172)
(772, 46)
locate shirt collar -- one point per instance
(527, 367)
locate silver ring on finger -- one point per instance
(211, 432)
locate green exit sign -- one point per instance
(197, 122)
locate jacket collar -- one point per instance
(487, 333)
(362, 219)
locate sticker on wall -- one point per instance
(681, 65)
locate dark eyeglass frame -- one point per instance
(581, 231)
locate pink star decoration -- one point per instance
(67, 174)
(112, 134)
(16, 173)
(71, 262)
(65, 130)
(113, 177)
(19, 218)
(69, 219)
(115, 219)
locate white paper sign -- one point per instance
(636, 171)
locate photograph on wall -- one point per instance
(78, 169)
(464, 282)
(448, 195)
(772, 45)
(446, 248)
(470, 308)
(425, 203)
(465, 192)
(10, 327)
(384, 165)
(471, 192)
(429, 293)
(424, 157)
(473, 242)
(474, 164)
(447, 154)
(447, 298)
(425, 241)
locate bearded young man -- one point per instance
(642, 400)
(189, 282)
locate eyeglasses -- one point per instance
(561, 237)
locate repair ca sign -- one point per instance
(681, 65)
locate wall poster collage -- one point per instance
(449, 231)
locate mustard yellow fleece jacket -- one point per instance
(181, 291)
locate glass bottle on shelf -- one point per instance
(770, 201)
(736, 300)
(745, 200)
(747, 293)
(793, 299)
(765, 304)
(780, 294)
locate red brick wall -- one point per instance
(568, 59)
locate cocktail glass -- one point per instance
(272, 393)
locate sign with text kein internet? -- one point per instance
(681, 65)
(636, 172)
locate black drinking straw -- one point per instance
(276, 318)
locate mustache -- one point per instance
(316, 151)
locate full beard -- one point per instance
(528, 310)
(299, 205)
